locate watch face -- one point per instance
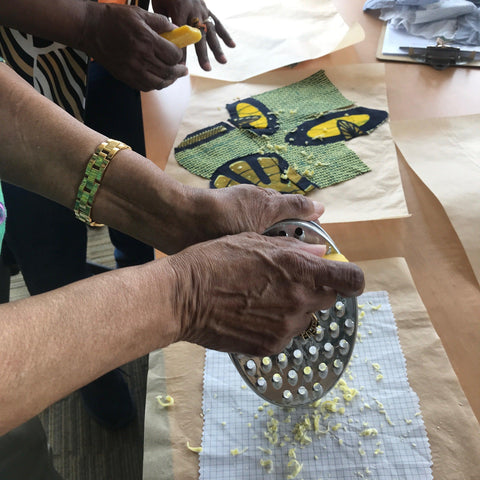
(313, 362)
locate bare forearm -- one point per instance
(57, 20)
(45, 150)
(41, 144)
(54, 343)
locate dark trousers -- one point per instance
(24, 454)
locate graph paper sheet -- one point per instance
(379, 434)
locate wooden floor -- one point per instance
(82, 450)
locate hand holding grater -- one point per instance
(313, 362)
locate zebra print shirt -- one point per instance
(55, 70)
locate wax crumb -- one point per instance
(194, 449)
(294, 467)
(267, 465)
(234, 452)
(267, 451)
(168, 402)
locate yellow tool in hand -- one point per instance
(338, 257)
(183, 36)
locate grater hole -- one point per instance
(322, 369)
(302, 392)
(282, 360)
(266, 364)
(334, 329)
(292, 377)
(251, 367)
(287, 396)
(339, 309)
(299, 234)
(344, 346)
(313, 352)
(349, 326)
(328, 347)
(297, 356)
(317, 388)
(337, 366)
(324, 314)
(261, 384)
(307, 373)
(319, 333)
(277, 381)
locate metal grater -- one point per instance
(313, 362)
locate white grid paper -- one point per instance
(400, 449)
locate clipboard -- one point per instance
(439, 56)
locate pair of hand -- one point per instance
(246, 292)
(126, 40)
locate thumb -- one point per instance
(158, 23)
(300, 207)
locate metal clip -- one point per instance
(441, 56)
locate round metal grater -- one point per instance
(313, 362)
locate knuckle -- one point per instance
(299, 203)
(356, 278)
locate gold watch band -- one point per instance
(92, 179)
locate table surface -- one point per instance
(427, 240)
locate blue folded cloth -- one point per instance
(457, 21)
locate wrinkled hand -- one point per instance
(184, 12)
(251, 294)
(212, 213)
(125, 40)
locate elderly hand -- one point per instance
(196, 14)
(251, 294)
(125, 40)
(204, 214)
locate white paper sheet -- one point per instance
(394, 39)
(400, 449)
(270, 34)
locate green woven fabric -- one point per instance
(205, 151)
(302, 100)
(323, 165)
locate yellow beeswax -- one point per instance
(183, 36)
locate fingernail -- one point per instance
(207, 67)
(314, 249)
